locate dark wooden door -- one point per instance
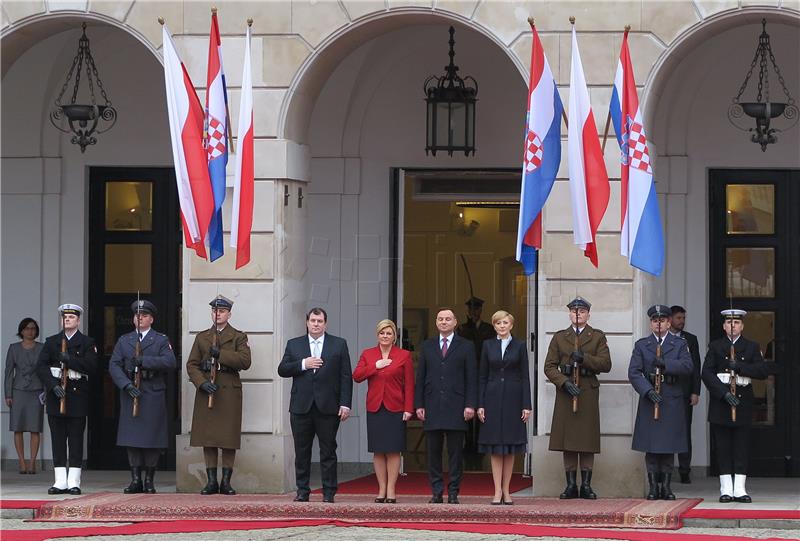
(134, 245)
(755, 265)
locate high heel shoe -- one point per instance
(506, 501)
(497, 502)
(391, 500)
(380, 500)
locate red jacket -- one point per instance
(392, 386)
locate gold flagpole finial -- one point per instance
(627, 28)
(214, 10)
(531, 21)
(572, 20)
(161, 21)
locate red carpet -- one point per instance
(22, 504)
(219, 525)
(741, 514)
(416, 483)
(605, 512)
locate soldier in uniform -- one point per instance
(66, 429)
(660, 439)
(147, 434)
(732, 437)
(577, 434)
(219, 427)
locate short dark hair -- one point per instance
(677, 309)
(443, 308)
(24, 323)
(317, 311)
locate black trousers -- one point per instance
(685, 459)
(67, 436)
(139, 457)
(455, 448)
(731, 448)
(659, 462)
(304, 427)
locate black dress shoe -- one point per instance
(54, 490)
(74, 491)
(743, 499)
(301, 498)
(436, 498)
(685, 479)
(328, 498)
(725, 499)
(452, 498)
(391, 500)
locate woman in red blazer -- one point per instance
(389, 372)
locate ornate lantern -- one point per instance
(450, 124)
(83, 119)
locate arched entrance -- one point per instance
(710, 172)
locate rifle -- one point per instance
(576, 368)
(137, 373)
(732, 381)
(62, 405)
(215, 344)
(659, 375)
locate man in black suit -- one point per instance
(322, 390)
(445, 397)
(689, 384)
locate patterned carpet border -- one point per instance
(605, 512)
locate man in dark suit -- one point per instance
(690, 385)
(322, 391)
(445, 398)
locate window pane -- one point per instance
(760, 327)
(129, 206)
(750, 209)
(750, 272)
(128, 268)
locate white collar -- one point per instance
(144, 333)
(312, 340)
(449, 337)
(734, 341)
(69, 336)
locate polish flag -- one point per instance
(588, 179)
(188, 154)
(243, 184)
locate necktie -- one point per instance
(444, 347)
(315, 351)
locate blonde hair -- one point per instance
(500, 314)
(382, 324)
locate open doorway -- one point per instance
(458, 232)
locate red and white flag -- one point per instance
(588, 179)
(243, 184)
(186, 120)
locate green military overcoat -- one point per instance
(577, 431)
(220, 426)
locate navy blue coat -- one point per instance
(150, 429)
(668, 434)
(504, 391)
(328, 387)
(751, 364)
(82, 358)
(445, 386)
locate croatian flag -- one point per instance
(243, 184)
(188, 155)
(588, 179)
(216, 136)
(642, 240)
(541, 155)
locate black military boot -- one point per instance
(225, 487)
(149, 474)
(212, 487)
(136, 481)
(655, 491)
(586, 485)
(571, 491)
(666, 489)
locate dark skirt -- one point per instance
(386, 431)
(27, 412)
(500, 449)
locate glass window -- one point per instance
(750, 272)
(128, 268)
(760, 327)
(750, 209)
(129, 206)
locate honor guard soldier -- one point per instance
(217, 356)
(658, 363)
(64, 367)
(731, 362)
(575, 356)
(139, 367)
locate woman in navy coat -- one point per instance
(504, 403)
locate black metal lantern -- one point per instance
(83, 118)
(763, 110)
(450, 115)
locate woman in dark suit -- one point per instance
(389, 371)
(504, 403)
(22, 390)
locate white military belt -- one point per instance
(71, 374)
(741, 381)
